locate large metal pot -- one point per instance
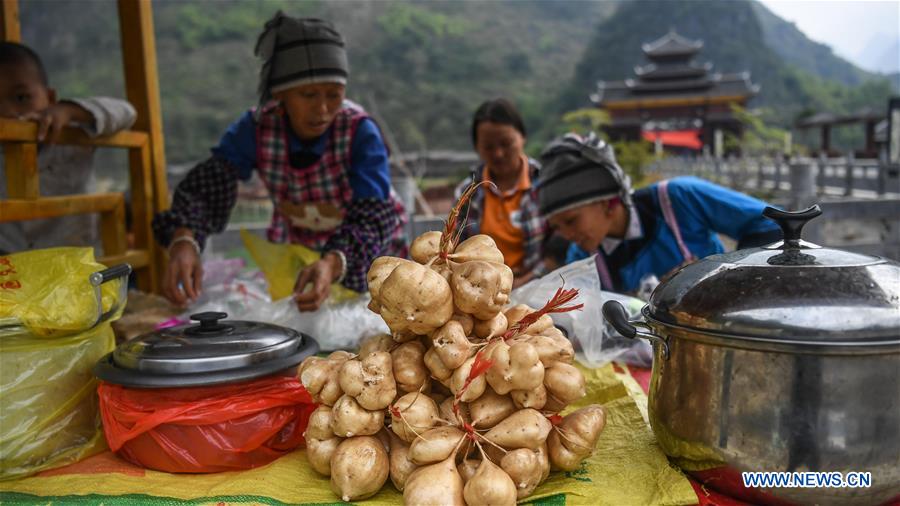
(784, 358)
(213, 352)
(221, 395)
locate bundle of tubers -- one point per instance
(461, 403)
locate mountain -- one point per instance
(424, 66)
(895, 81)
(881, 54)
(735, 40)
(795, 48)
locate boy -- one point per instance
(321, 158)
(587, 198)
(64, 170)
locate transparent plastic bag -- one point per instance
(265, 296)
(596, 341)
(48, 410)
(58, 291)
(218, 271)
(336, 325)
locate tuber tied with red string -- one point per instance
(477, 387)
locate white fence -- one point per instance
(860, 199)
(835, 177)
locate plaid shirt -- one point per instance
(202, 202)
(534, 227)
(371, 227)
(322, 182)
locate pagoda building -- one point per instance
(673, 100)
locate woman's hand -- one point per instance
(319, 276)
(183, 279)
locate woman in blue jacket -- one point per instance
(587, 198)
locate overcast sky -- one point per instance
(847, 26)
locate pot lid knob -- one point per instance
(209, 322)
(792, 222)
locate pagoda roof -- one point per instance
(697, 83)
(708, 87)
(671, 44)
(654, 71)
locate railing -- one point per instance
(19, 140)
(145, 144)
(860, 198)
(849, 177)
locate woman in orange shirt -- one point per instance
(507, 210)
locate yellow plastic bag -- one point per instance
(49, 414)
(281, 263)
(48, 293)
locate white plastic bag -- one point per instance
(245, 296)
(595, 340)
(335, 325)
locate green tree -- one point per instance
(758, 137)
(585, 119)
(634, 157)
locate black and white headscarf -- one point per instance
(299, 51)
(579, 170)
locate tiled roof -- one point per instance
(671, 44)
(653, 71)
(714, 85)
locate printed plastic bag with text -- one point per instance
(206, 429)
(47, 292)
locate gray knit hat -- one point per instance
(576, 171)
(299, 51)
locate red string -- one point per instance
(470, 432)
(555, 305)
(448, 238)
(479, 367)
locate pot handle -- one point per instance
(120, 271)
(209, 324)
(792, 222)
(615, 314)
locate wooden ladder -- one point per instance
(147, 174)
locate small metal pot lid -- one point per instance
(792, 291)
(212, 352)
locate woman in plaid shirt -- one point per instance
(506, 210)
(321, 158)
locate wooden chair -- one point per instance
(147, 174)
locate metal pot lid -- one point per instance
(792, 291)
(214, 351)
